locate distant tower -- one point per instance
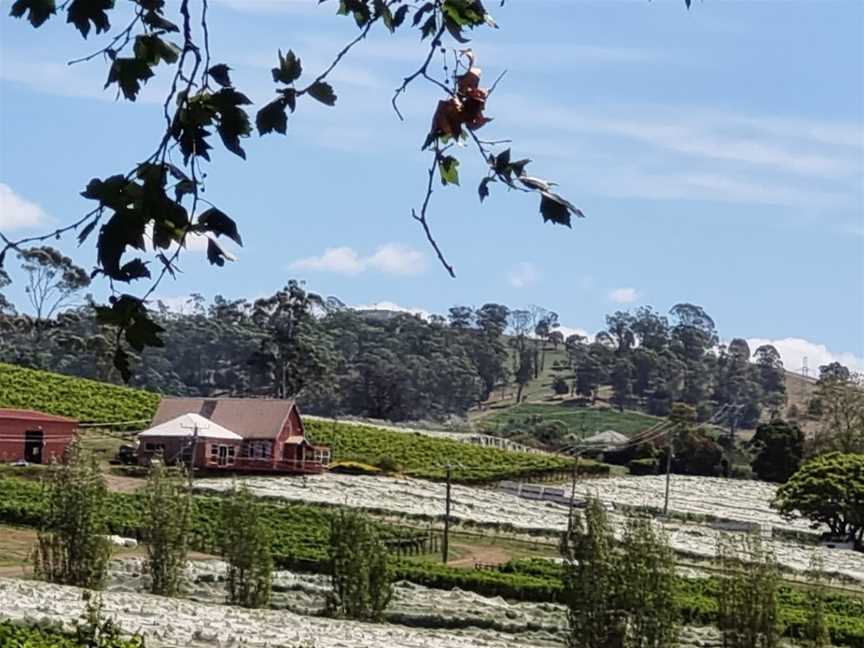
(805, 370)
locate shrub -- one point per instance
(387, 464)
(643, 467)
(72, 548)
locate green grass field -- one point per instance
(88, 401)
(581, 421)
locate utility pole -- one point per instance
(194, 442)
(446, 544)
(669, 452)
(573, 491)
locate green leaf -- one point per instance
(358, 8)
(448, 166)
(289, 69)
(111, 191)
(134, 269)
(219, 73)
(290, 95)
(382, 10)
(156, 22)
(216, 255)
(272, 117)
(216, 221)
(556, 209)
(84, 233)
(483, 189)
(323, 92)
(501, 162)
(121, 364)
(233, 121)
(143, 332)
(399, 16)
(428, 28)
(152, 50)
(39, 10)
(418, 16)
(129, 74)
(83, 12)
(465, 13)
(124, 229)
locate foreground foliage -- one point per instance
(828, 490)
(166, 528)
(359, 568)
(71, 548)
(247, 548)
(617, 595)
(300, 532)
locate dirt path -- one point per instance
(485, 554)
(121, 484)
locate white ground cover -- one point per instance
(175, 623)
(412, 605)
(484, 506)
(734, 499)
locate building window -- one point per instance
(257, 450)
(154, 447)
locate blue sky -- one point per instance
(718, 154)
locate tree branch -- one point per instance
(422, 217)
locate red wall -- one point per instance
(56, 436)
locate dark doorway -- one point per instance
(33, 447)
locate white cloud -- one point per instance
(794, 350)
(393, 258)
(624, 295)
(342, 260)
(567, 331)
(524, 274)
(390, 258)
(19, 213)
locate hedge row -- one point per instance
(28, 635)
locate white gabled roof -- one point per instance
(609, 437)
(184, 426)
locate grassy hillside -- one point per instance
(424, 457)
(87, 400)
(581, 421)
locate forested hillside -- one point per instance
(398, 366)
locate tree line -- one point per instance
(395, 366)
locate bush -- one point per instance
(387, 464)
(643, 467)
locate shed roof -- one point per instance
(251, 418)
(185, 426)
(32, 415)
(609, 437)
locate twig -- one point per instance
(495, 85)
(421, 71)
(126, 34)
(341, 54)
(422, 217)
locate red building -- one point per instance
(265, 435)
(33, 436)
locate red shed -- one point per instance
(33, 436)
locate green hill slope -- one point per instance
(88, 401)
(580, 421)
